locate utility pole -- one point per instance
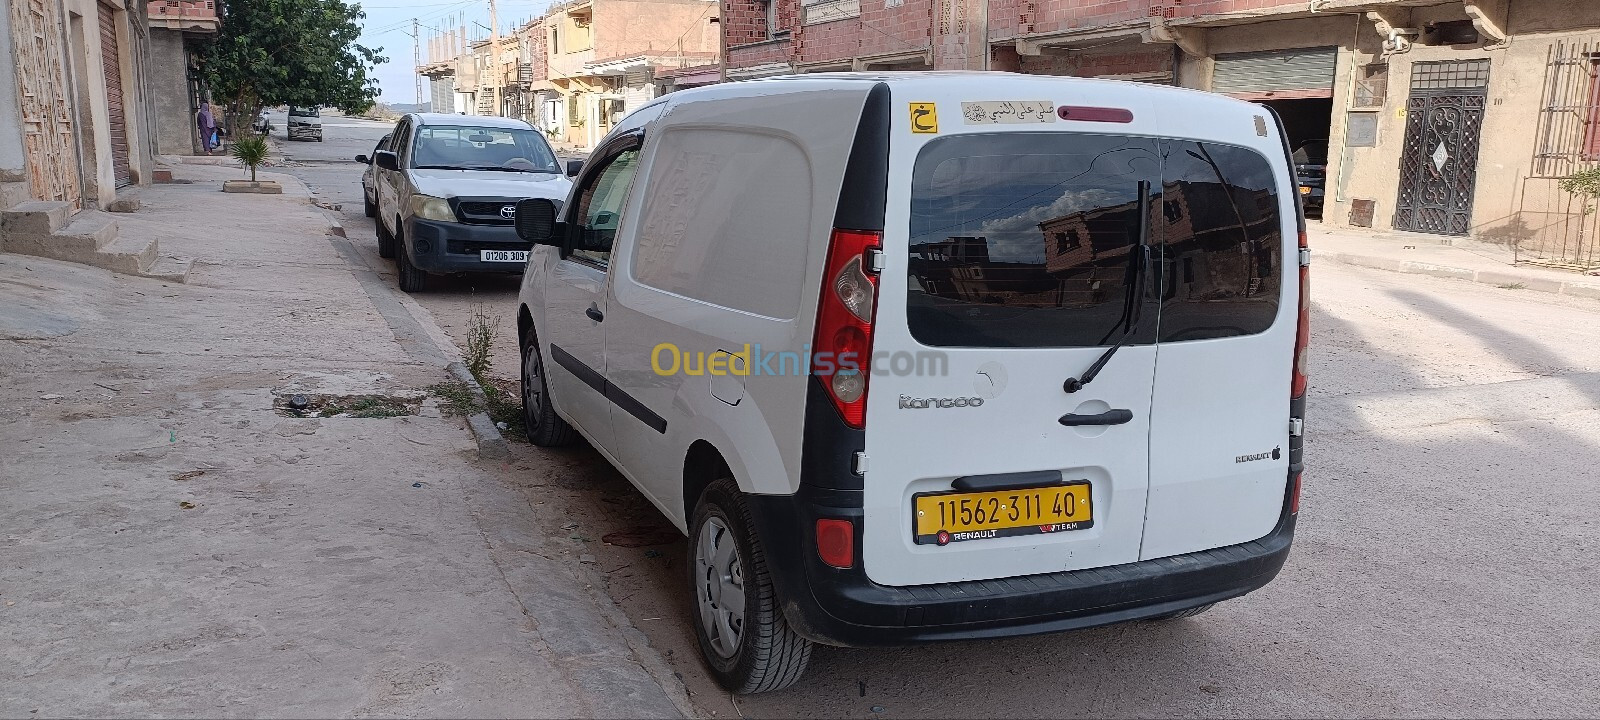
(416, 59)
(495, 69)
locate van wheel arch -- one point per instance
(703, 464)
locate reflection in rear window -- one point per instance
(1031, 240)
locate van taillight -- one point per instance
(842, 348)
(1302, 336)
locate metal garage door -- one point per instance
(113, 71)
(1277, 74)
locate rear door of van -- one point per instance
(1020, 249)
(1219, 432)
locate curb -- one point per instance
(1486, 277)
(491, 444)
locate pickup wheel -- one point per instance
(410, 277)
(371, 211)
(385, 238)
(743, 636)
(539, 419)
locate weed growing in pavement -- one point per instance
(504, 405)
(481, 329)
(1513, 286)
(368, 406)
(457, 397)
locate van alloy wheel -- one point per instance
(720, 592)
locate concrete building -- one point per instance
(1450, 117)
(579, 68)
(75, 134)
(176, 90)
(74, 79)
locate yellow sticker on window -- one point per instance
(924, 118)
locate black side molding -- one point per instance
(594, 379)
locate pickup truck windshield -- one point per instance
(482, 148)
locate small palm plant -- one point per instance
(252, 151)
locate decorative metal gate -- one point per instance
(1439, 166)
(52, 157)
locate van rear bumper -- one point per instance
(845, 608)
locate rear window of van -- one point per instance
(1029, 240)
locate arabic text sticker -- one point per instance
(924, 118)
(1008, 112)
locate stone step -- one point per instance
(90, 229)
(171, 269)
(35, 217)
(129, 256)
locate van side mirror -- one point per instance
(364, 160)
(574, 167)
(387, 160)
(536, 222)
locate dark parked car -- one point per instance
(1311, 164)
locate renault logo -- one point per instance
(508, 212)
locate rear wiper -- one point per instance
(1133, 304)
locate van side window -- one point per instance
(1027, 239)
(1223, 255)
(599, 209)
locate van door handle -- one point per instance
(1109, 417)
(595, 314)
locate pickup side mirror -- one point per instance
(364, 160)
(574, 167)
(536, 222)
(387, 160)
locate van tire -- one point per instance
(539, 419)
(410, 277)
(1181, 614)
(770, 654)
(385, 239)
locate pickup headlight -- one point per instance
(428, 207)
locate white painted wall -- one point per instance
(11, 157)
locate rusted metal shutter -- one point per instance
(47, 129)
(112, 64)
(1277, 74)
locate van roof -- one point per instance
(982, 83)
(470, 120)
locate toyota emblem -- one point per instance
(508, 212)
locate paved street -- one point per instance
(1443, 564)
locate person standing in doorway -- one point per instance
(208, 127)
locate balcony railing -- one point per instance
(184, 14)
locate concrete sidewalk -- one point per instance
(174, 542)
(1438, 256)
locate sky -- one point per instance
(388, 25)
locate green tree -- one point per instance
(289, 52)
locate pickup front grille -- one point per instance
(485, 211)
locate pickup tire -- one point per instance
(766, 653)
(385, 238)
(371, 211)
(539, 419)
(411, 278)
